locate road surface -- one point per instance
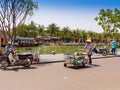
(104, 74)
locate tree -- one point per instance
(32, 30)
(109, 20)
(66, 33)
(41, 30)
(22, 30)
(116, 19)
(27, 30)
(12, 14)
(52, 29)
(83, 34)
(90, 34)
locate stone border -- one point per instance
(64, 60)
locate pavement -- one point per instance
(102, 75)
(50, 58)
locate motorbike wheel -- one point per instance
(28, 63)
(83, 65)
(104, 53)
(3, 64)
(65, 64)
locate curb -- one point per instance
(105, 57)
(49, 62)
(64, 60)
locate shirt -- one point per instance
(114, 44)
(7, 48)
(88, 48)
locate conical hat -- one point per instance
(88, 40)
(9, 42)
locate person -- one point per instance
(114, 46)
(88, 48)
(8, 47)
(95, 48)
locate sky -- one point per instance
(72, 13)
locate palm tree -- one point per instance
(32, 29)
(66, 33)
(76, 35)
(41, 30)
(90, 34)
(83, 35)
(52, 29)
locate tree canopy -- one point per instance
(109, 20)
(12, 14)
(33, 30)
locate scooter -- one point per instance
(21, 59)
(103, 51)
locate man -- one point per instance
(9, 47)
(114, 46)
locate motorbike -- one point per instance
(14, 59)
(103, 51)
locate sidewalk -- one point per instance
(49, 58)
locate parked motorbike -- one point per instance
(14, 59)
(103, 51)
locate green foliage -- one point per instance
(27, 30)
(57, 49)
(52, 29)
(13, 13)
(109, 20)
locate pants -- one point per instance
(113, 51)
(95, 50)
(90, 59)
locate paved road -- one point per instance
(104, 74)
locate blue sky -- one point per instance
(72, 13)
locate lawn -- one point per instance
(49, 49)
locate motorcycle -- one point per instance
(103, 51)
(14, 59)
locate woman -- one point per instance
(88, 48)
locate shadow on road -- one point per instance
(85, 67)
(17, 68)
(43, 64)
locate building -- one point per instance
(2, 39)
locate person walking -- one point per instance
(95, 50)
(114, 46)
(88, 48)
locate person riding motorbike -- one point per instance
(9, 48)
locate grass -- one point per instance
(49, 49)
